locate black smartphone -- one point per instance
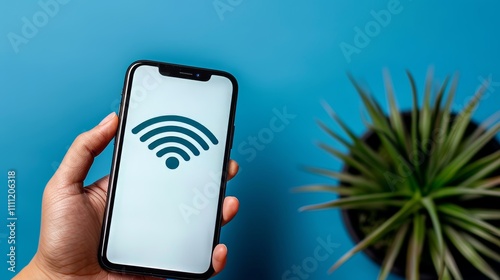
(168, 176)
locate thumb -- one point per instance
(81, 154)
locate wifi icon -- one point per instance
(183, 138)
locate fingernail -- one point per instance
(107, 118)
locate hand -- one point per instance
(72, 215)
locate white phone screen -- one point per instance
(169, 174)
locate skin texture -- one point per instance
(72, 215)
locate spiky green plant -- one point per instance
(423, 173)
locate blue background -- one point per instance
(69, 75)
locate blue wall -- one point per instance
(63, 75)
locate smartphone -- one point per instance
(169, 169)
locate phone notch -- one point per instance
(184, 72)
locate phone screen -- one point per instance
(168, 171)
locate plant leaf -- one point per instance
(462, 214)
(395, 114)
(483, 185)
(490, 121)
(354, 180)
(451, 265)
(460, 124)
(425, 112)
(415, 139)
(396, 149)
(439, 137)
(393, 252)
(328, 188)
(446, 116)
(431, 209)
(339, 121)
(485, 214)
(449, 261)
(397, 157)
(333, 134)
(358, 148)
(474, 230)
(415, 247)
(432, 147)
(454, 191)
(481, 248)
(383, 199)
(436, 110)
(460, 160)
(469, 252)
(481, 168)
(373, 108)
(408, 208)
(487, 183)
(349, 160)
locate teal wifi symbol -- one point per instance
(188, 135)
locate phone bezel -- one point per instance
(204, 76)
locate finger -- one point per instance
(229, 209)
(97, 192)
(101, 184)
(233, 169)
(80, 155)
(219, 258)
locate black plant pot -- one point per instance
(354, 218)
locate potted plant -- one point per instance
(419, 192)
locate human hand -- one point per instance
(72, 215)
